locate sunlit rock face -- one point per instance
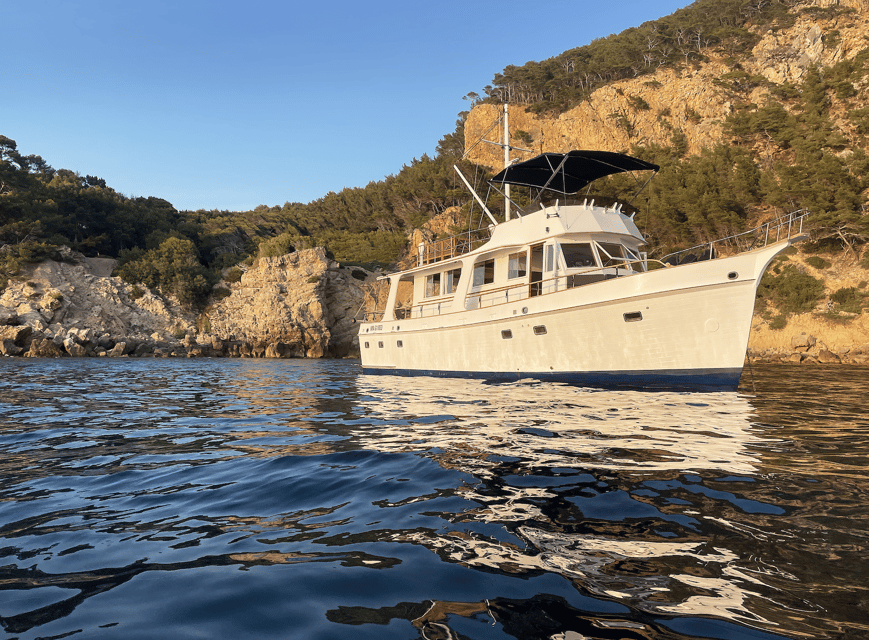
(297, 305)
(648, 109)
(300, 305)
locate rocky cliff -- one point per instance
(298, 305)
(649, 109)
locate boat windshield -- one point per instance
(578, 254)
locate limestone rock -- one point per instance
(8, 316)
(297, 305)
(74, 348)
(9, 348)
(16, 334)
(826, 356)
(117, 351)
(42, 348)
(803, 342)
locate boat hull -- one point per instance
(684, 327)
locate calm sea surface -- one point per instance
(302, 499)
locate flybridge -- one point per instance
(560, 173)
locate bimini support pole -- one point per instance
(474, 193)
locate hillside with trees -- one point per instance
(783, 143)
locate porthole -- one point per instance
(399, 344)
(732, 275)
(540, 330)
(524, 309)
(506, 334)
(380, 344)
(634, 316)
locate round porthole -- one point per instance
(524, 309)
(732, 275)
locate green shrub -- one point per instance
(173, 267)
(219, 293)
(638, 103)
(277, 246)
(791, 291)
(233, 275)
(818, 262)
(136, 292)
(314, 280)
(849, 299)
(779, 322)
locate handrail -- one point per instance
(778, 224)
(446, 248)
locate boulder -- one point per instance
(825, 356)
(73, 348)
(117, 351)
(9, 348)
(803, 342)
(143, 349)
(7, 316)
(43, 348)
(16, 334)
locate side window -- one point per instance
(484, 273)
(578, 254)
(451, 280)
(550, 257)
(517, 265)
(433, 285)
(613, 251)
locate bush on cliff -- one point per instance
(791, 290)
(173, 268)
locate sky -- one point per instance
(212, 104)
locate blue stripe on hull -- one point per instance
(688, 379)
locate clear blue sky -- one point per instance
(228, 105)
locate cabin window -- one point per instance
(451, 281)
(540, 330)
(550, 257)
(517, 265)
(613, 252)
(366, 345)
(506, 334)
(578, 254)
(433, 285)
(484, 273)
(634, 316)
(399, 344)
(380, 345)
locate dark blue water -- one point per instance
(301, 499)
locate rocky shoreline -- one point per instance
(807, 349)
(300, 305)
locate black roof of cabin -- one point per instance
(569, 172)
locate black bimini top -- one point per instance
(569, 172)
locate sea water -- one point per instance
(303, 499)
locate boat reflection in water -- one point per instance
(633, 497)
